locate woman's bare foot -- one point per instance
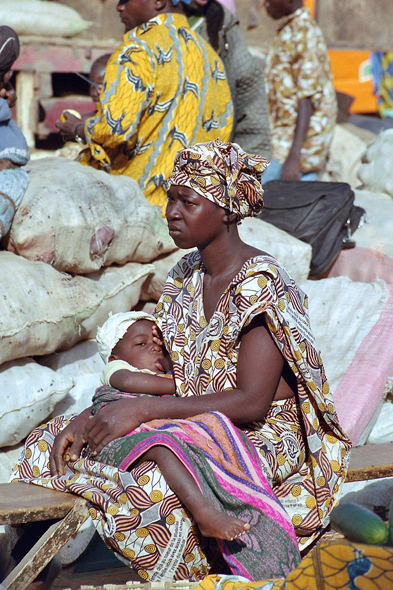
(213, 523)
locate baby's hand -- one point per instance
(157, 336)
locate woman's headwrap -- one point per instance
(114, 329)
(224, 174)
(9, 48)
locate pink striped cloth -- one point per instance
(363, 386)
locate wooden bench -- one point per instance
(371, 462)
(22, 503)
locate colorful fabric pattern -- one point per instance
(136, 513)
(231, 481)
(222, 173)
(298, 67)
(205, 354)
(164, 89)
(331, 565)
(382, 72)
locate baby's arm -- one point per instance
(135, 382)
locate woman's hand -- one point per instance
(69, 441)
(114, 421)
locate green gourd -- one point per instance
(391, 522)
(359, 524)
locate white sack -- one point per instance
(79, 219)
(79, 397)
(83, 364)
(353, 324)
(29, 393)
(292, 253)
(342, 313)
(345, 153)
(43, 310)
(375, 172)
(81, 359)
(377, 232)
(37, 17)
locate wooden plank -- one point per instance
(21, 502)
(371, 462)
(26, 111)
(46, 547)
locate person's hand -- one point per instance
(113, 421)
(9, 94)
(68, 441)
(291, 167)
(68, 127)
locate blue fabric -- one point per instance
(13, 184)
(13, 144)
(274, 171)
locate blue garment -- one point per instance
(13, 181)
(13, 144)
(274, 171)
(13, 184)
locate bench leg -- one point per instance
(46, 548)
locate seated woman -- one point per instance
(253, 419)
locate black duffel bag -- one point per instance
(319, 213)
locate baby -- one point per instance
(136, 363)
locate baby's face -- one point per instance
(139, 350)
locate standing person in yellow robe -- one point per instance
(165, 88)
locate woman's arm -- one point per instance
(259, 369)
(134, 382)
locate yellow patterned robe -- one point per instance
(164, 89)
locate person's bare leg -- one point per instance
(210, 521)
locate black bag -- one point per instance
(319, 213)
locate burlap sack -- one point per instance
(29, 393)
(43, 310)
(79, 219)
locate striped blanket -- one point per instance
(224, 464)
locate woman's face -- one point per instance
(193, 221)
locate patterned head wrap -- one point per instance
(114, 329)
(9, 48)
(222, 173)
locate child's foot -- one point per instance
(213, 523)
